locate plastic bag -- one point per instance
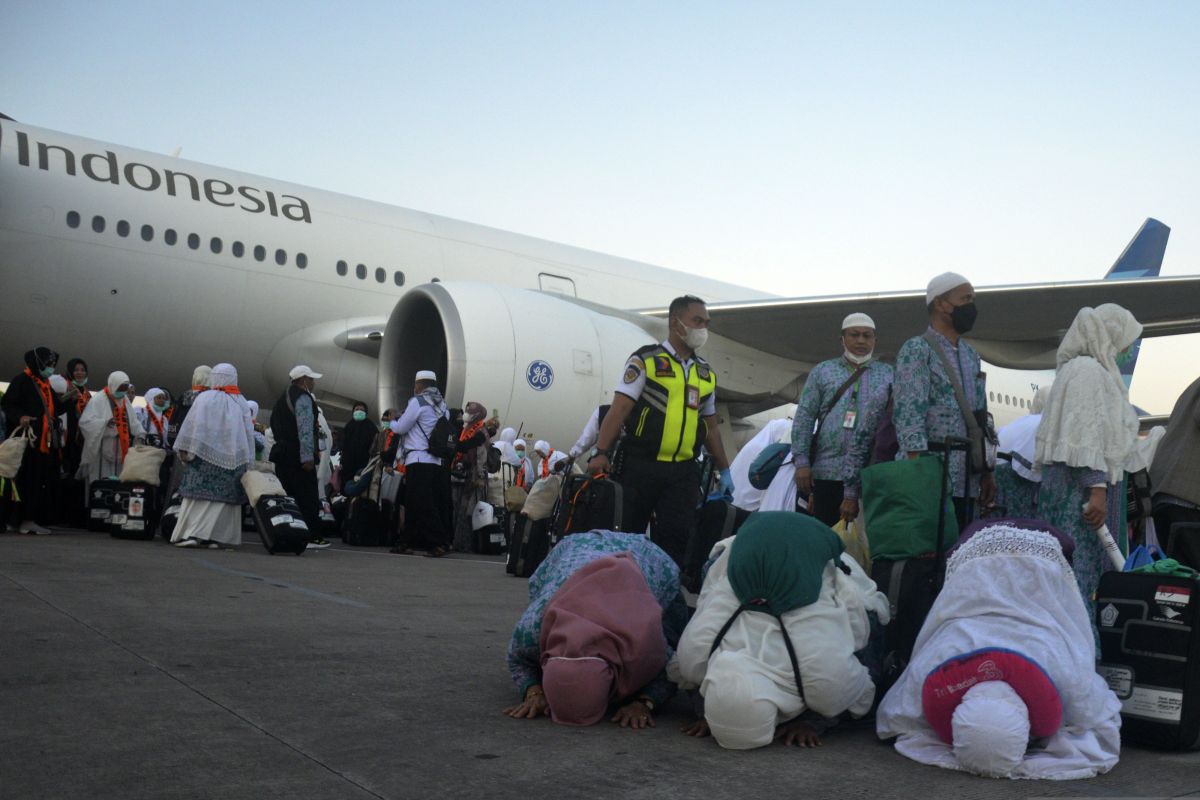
(855, 541)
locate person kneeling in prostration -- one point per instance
(605, 613)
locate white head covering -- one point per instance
(1019, 437)
(58, 383)
(426, 375)
(558, 458)
(151, 394)
(858, 320)
(1038, 403)
(507, 435)
(991, 730)
(541, 447)
(1012, 588)
(1088, 421)
(200, 375)
(253, 409)
(735, 701)
(218, 428)
(115, 379)
(942, 284)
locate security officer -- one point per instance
(666, 403)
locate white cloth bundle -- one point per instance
(261, 484)
(12, 451)
(540, 502)
(142, 464)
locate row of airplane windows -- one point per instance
(1007, 400)
(171, 237)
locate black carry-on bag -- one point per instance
(909, 539)
(718, 519)
(135, 512)
(101, 501)
(588, 503)
(1149, 625)
(281, 525)
(530, 545)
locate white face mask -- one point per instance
(694, 338)
(858, 360)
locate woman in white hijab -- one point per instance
(109, 427)
(217, 442)
(1003, 679)
(1018, 478)
(1088, 438)
(154, 418)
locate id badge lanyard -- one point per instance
(850, 418)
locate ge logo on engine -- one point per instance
(539, 375)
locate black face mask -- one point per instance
(962, 318)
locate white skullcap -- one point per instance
(427, 375)
(991, 730)
(519, 443)
(541, 446)
(858, 320)
(942, 284)
(737, 715)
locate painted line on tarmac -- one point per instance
(283, 584)
(443, 559)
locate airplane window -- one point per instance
(992, 396)
(147, 233)
(123, 229)
(280, 257)
(72, 219)
(342, 266)
(194, 241)
(169, 236)
(1007, 400)
(98, 224)
(1022, 402)
(361, 272)
(398, 278)
(301, 260)
(380, 274)
(215, 244)
(436, 280)
(260, 252)
(238, 249)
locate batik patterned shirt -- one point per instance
(842, 451)
(572, 553)
(925, 409)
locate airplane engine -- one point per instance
(541, 361)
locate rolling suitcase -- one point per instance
(530, 546)
(912, 584)
(588, 503)
(719, 519)
(490, 540)
(134, 513)
(1149, 625)
(364, 524)
(280, 525)
(100, 503)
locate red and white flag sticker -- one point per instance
(1173, 594)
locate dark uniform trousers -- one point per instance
(301, 486)
(428, 515)
(668, 490)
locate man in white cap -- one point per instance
(835, 423)
(429, 520)
(297, 432)
(930, 368)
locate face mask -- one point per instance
(161, 407)
(80, 382)
(359, 416)
(47, 371)
(521, 454)
(694, 338)
(858, 360)
(962, 318)
(119, 395)
(1125, 356)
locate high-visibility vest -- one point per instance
(665, 421)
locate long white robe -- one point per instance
(101, 457)
(744, 495)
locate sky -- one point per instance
(799, 148)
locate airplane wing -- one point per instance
(1019, 327)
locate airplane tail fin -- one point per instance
(1141, 258)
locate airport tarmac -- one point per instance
(139, 670)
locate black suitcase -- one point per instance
(134, 512)
(1150, 653)
(530, 545)
(101, 500)
(364, 524)
(912, 584)
(588, 503)
(280, 525)
(1184, 543)
(718, 519)
(490, 540)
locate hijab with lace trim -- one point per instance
(1088, 421)
(218, 427)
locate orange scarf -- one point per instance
(467, 434)
(521, 473)
(227, 389)
(157, 420)
(121, 419)
(544, 466)
(43, 388)
(81, 402)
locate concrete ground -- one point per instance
(140, 670)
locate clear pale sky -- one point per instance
(798, 148)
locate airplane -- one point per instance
(152, 265)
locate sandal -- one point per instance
(437, 552)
